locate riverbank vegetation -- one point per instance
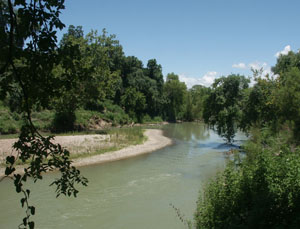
(260, 190)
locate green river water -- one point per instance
(131, 193)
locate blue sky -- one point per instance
(198, 40)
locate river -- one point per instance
(132, 193)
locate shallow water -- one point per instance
(132, 193)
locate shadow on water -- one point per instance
(217, 146)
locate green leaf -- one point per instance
(31, 225)
(25, 221)
(23, 201)
(9, 170)
(32, 210)
(18, 189)
(10, 159)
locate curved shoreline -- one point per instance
(155, 141)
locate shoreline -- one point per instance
(155, 141)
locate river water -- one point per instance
(132, 193)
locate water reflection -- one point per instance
(188, 131)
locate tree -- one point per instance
(103, 54)
(286, 62)
(222, 108)
(260, 107)
(134, 103)
(188, 114)
(28, 59)
(274, 101)
(154, 71)
(154, 93)
(287, 90)
(175, 92)
(198, 94)
(288, 97)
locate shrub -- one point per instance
(63, 121)
(8, 125)
(262, 190)
(148, 119)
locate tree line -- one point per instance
(92, 73)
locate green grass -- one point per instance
(120, 138)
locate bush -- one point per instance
(63, 121)
(115, 114)
(148, 119)
(262, 190)
(8, 125)
(43, 120)
(157, 119)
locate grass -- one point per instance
(119, 139)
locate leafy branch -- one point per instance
(30, 66)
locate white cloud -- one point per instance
(209, 78)
(285, 51)
(257, 65)
(189, 81)
(266, 70)
(240, 65)
(205, 80)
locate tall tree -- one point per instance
(175, 92)
(154, 95)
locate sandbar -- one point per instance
(155, 141)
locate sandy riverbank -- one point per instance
(155, 140)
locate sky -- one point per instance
(199, 40)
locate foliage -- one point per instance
(175, 92)
(288, 97)
(260, 191)
(259, 107)
(134, 103)
(28, 57)
(275, 101)
(222, 108)
(198, 95)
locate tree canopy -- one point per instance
(222, 108)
